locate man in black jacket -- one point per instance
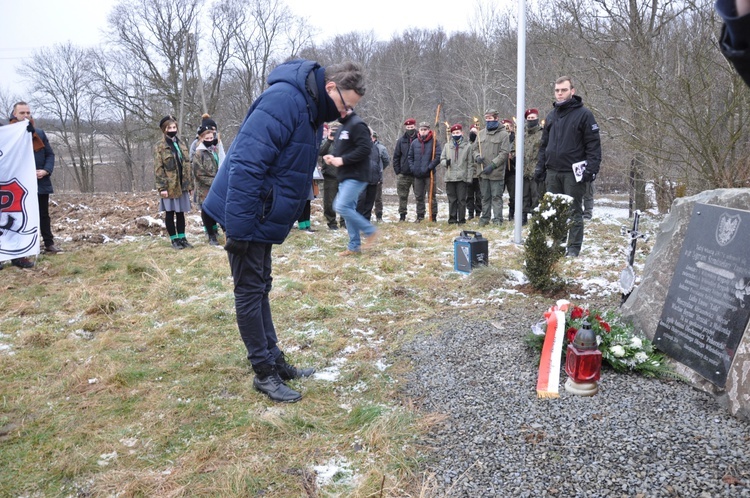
(735, 36)
(44, 158)
(404, 175)
(351, 155)
(570, 139)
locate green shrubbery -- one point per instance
(545, 244)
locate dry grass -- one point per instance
(127, 376)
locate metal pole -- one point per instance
(520, 119)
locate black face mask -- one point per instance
(208, 143)
(215, 141)
(530, 123)
(411, 133)
(171, 134)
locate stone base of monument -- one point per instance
(581, 388)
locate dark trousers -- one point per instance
(474, 198)
(456, 201)
(564, 182)
(422, 191)
(510, 186)
(367, 200)
(45, 224)
(403, 184)
(379, 202)
(330, 189)
(252, 283)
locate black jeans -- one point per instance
(45, 224)
(252, 283)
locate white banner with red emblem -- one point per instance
(19, 206)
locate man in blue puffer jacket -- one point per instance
(261, 189)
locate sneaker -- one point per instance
(268, 382)
(289, 372)
(176, 244)
(52, 249)
(185, 243)
(22, 262)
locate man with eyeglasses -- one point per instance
(570, 139)
(262, 188)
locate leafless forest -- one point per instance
(671, 110)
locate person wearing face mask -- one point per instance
(491, 149)
(208, 122)
(532, 191)
(474, 192)
(570, 137)
(173, 176)
(456, 158)
(424, 156)
(205, 166)
(404, 175)
(261, 189)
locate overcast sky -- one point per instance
(33, 24)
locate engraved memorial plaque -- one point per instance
(708, 304)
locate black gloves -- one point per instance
(588, 176)
(489, 169)
(238, 247)
(481, 160)
(30, 128)
(433, 164)
(448, 162)
(540, 176)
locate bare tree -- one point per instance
(61, 81)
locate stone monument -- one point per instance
(685, 302)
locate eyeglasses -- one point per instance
(347, 107)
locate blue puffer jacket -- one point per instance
(262, 185)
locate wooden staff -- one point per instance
(432, 171)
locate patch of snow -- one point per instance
(334, 471)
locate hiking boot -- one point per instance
(22, 263)
(185, 243)
(52, 249)
(289, 372)
(268, 382)
(401, 217)
(176, 244)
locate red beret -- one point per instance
(507, 121)
(456, 127)
(410, 121)
(530, 111)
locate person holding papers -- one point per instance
(570, 154)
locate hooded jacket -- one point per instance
(570, 135)
(263, 183)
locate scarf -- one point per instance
(424, 140)
(36, 140)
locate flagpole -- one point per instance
(520, 118)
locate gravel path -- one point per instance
(638, 437)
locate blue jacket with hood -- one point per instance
(263, 183)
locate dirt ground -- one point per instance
(81, 219)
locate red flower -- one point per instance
(605, 326)
(571, 334)
(576, 313)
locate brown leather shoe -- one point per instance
(349, 253)
(370, 241)
(52, 249)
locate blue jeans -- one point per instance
(345, 205)
(252, 283)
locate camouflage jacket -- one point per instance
(205, 166)
(532, 141)
(170, 174)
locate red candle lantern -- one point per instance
(583, 363)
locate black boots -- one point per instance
(268, 382)
(212, 240)
(289, 372)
